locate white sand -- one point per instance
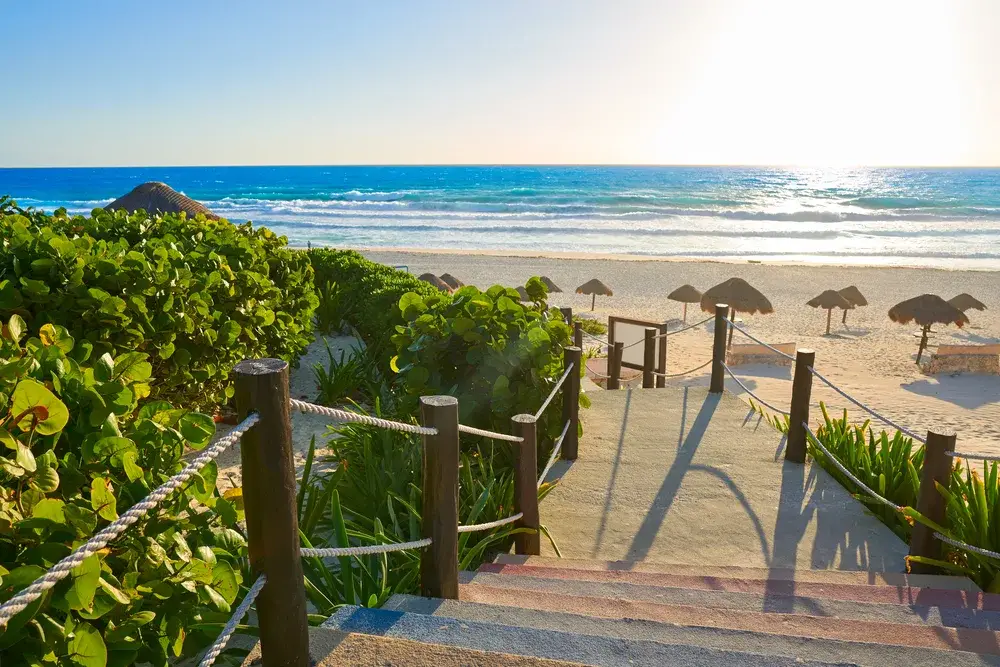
(872, 358)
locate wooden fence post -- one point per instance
(571, 402)
(567, 314)
(615, 365)
(526, 484)
(578, 335)
(439, 561)
(719, 349)
(648, 356)
(937, 469)
(795, 447)
(661, 365)
(269, 497)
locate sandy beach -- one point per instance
(872, 358)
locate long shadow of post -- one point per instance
(614, 475)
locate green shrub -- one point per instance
(196, 295)
(593, 327)
(80, 449)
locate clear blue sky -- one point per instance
(115, 82)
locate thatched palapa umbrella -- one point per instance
(829, 300)
(452, 281)
(155, 197)
(550, 285)
(966, 302)
(741, 298)
(437, 282)
(594, 287)
(926, 310)
(854, 295)
(685, 294)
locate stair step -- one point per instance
(928, 597)
(586, 628)
(596, 649)
(799, 625)
(943, 582)
(752, 602)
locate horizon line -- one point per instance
(514, 164)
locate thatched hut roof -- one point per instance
(594, 286)
(966, 302)
(927, 309)
(550, 285)
(831, 299)
(685, 294)
(434, 280)
(452, 281)
(739, 295)
(155, 197)
(854, 295)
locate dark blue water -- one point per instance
(941, 217)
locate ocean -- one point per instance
(918, 217)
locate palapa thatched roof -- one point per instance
(830, 299)
(966, 302)
(739, 295)
(685, 294)
(594, 286)
(927, 309)
(452, 281)
(434, 280)
(551, 286)
(854, 295)
(155, 197)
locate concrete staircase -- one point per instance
(615, 613)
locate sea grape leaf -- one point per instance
(102, 499)
(86, 648)
(85, 577)
(40, 406)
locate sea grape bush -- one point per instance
(195, 295)
(77, 450)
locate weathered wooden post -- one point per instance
(526, 484)
(269, 498)
(795, 448)
(567, 314)
(937, 470)
(661, 363)
(615, 365)
(571, 402)
(439, 561)
(648, 356)
(578, 335)
(718, 382)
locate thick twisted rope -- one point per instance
(472, 528)
(977, 457)
(345, 416)
(369, 550)
(556, 448)
(471, 430)
(217, 647)
(867, 409)
(753, 395)
(968, 547)
(848, 473)
(60, 570)
(687, 328)
(758, 340)
(593, 337)
(675, 375)
(555, 389)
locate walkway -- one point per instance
(678, 475)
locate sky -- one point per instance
(814, 82)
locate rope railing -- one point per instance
(368, 550)
(554, 456)
(675, 375)
(593, 337)
(472, 430)
(968, 547)
(974, 456)
(867, 409)
(475, 527)
(687, 328)
(345, 416)
(758, 340)
(848, 473)
(752, 394)
(61, 570)
(555, 390)
(220, 643)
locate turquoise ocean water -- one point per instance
(927, 217)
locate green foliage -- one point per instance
(78, 449)
(591, 326)
(193, 296)
(330, 311)
(356, 378)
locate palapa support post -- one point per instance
(718, 382)
(936, 470)
(578, 335)
(615, 365)
(571, 402)
(661, 363)
(526, 485)
(439, 561)
(567, 314)
(795, 447)
(269, 497)
(648, 356)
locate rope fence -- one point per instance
(220, 643)
(758, 340)
(687, 328)
(555, 390)
(369, 550)
(871, 411)
(471, 430)
(675, 375)
(554, 456)
(345, 416)
(973, 456)
(968, 547)
(848, 473)
(752, 394)
(475, 527)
